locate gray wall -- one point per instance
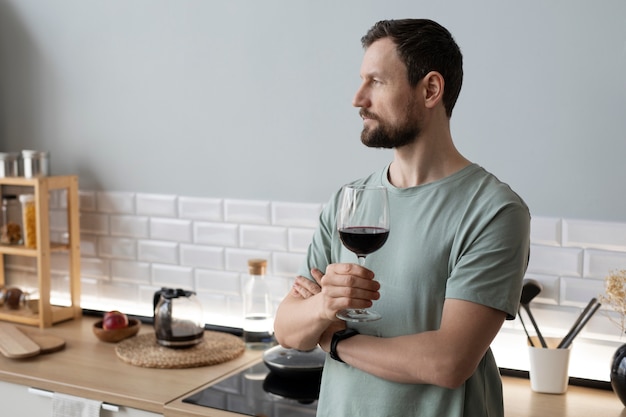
(252, 99)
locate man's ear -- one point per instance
(433, 84)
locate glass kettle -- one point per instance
(178, 319)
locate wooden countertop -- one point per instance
(90, 368)
(521, 401)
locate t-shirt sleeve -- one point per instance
(490, 268)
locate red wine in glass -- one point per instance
(363, 226)
(363, 240)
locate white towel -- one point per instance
(64, 405)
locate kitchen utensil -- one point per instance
(47, 343)
(589, 311)
(530, 341)
(579, 319)
(178, 318)
(530, 289)
(15, 344)
(292, 362)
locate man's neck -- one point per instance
(428, 159)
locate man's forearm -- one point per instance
(297, 325)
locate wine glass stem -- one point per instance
(361, 260)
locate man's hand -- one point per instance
(347, 286)
(343, 286)
(306, 288)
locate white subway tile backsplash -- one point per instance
(299, 239)
(58, 199)
(279, 287)
(170, 229)
(59, 263)
(589, 234)
(86, 200)
(263, 237)
(206, 209)
(247, 211)
(287, 264)
(211, 257)
(94, 223)
(217, 234)
(598, 263)
(58, 220)
(237, 259)
(88, 245)
(115, 202)
(146, 296)
(157, 251)
(129, 226)
(130, 271)
(578, 291)
(117, 294)
(294, 214)
(219, 282)
(545, 231)
(115, 247)
(548, 260)
(215, 308)
(133, 244)
(95, 268)
(88, 291)
(172, 276)
(156, 205)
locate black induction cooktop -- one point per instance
(256, 391)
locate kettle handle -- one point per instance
(157, 298)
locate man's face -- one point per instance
(388, 105)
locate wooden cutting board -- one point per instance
(47, 343)
(17, 342)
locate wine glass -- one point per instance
(363, 225)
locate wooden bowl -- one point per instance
(115, 335)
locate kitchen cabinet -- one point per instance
(20, 401)
(47, 314)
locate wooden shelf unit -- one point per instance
(48, 314)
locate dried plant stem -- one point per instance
(615, 296)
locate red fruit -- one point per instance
(114, 320)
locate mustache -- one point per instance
(365, 113)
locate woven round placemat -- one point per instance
(143, 350)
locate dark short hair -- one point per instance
(424, 45)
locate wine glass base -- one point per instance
(358, 315)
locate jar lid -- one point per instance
(8, 156)
(27, 198)
(34, 154)
(257, 266)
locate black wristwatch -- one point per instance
(338, 337)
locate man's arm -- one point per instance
(301, 321)
(446, 357)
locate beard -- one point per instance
(388, 136)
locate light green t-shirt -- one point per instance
(466, 237)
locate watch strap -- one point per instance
(338, 337)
